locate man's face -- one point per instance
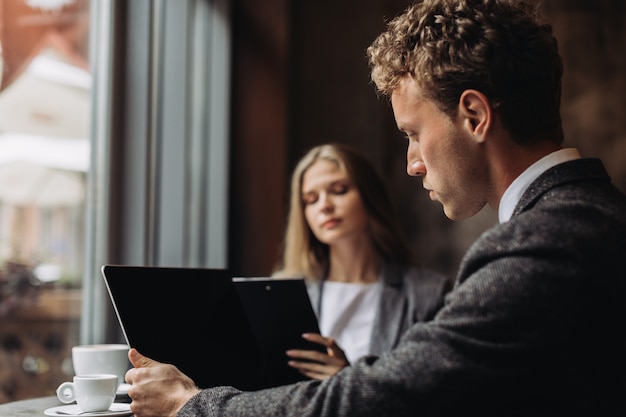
(442, 151)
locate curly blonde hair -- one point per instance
(498, 47)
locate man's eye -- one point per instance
(410, 135)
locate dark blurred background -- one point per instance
(301, 78)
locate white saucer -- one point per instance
(116, 409)
(123, 389)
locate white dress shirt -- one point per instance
(347, 315)
(512, 195)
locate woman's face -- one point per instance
(333, 207)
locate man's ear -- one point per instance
(475, 109)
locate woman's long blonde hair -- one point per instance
(303, 254)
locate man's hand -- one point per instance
(318, 365)
(157, 389)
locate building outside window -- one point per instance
(45, 91)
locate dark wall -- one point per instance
(259, 133)
(301, 79)
(593, 45)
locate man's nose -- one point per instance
(414, 164)
(415, 168)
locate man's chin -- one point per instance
(456, 213)
(452, 215)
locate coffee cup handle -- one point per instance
(65, 393)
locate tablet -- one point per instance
(279, 311)
(216, 329)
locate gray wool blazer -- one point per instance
(533, 327)
(409, 295)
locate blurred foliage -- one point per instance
(19, 287)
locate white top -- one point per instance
(511, 196)
(347, 315)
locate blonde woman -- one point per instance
(343, 238)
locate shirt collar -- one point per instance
(514, 192)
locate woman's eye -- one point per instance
(309, 199)
(340, 189)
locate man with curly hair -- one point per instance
(532, 327)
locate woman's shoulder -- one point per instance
(415, 273)
(423, 288)
(420, 277)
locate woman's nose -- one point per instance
(326, 203)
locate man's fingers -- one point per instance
(140, 361)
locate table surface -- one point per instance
(27, 408)
(34, 407)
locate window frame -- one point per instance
(158, 179)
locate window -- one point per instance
(153, 170)
(45, 96)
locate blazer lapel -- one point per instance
(314, 288)
(388, 323)
(572, 171)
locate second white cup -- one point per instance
(91, 392)
(101, 359)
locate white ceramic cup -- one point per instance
(101, 359)
(91, 392)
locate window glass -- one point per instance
(45, 93)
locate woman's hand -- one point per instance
(157, 389)
(315, 364)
